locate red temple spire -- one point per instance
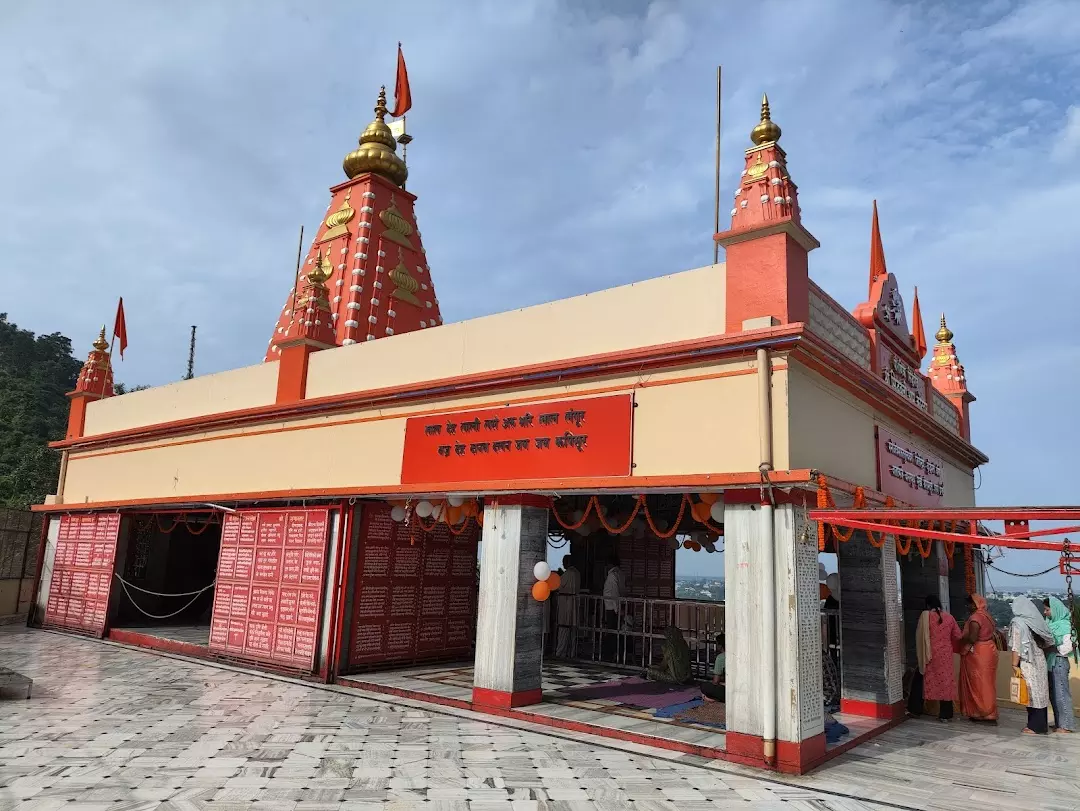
(96, 375)
(877, 253)
(947, 375)
(380, 282)
(918, 332)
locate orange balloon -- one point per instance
(823, 592)
(554, 581)
(469, 508)
(453, 515)
(687, 544)
(396, 502)
(695, 546)
(541, 591)
(480, 518)
(700, 511)
(709, 498)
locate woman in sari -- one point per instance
(674, 667)
(1028, 637)
(1057, 662)
(936, 638)
(978, 664)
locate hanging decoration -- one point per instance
(702, 511)
(547, 581)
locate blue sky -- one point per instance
(169, 153)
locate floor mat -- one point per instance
(710, 713)
(635, 691)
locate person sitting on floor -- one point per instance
(716, 691)
(674, 667)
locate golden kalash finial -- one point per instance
(766, 131)
(100, 344)
(321, 270)
(378, 150)
(944, 335)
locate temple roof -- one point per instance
(379, 283)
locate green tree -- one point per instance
(1000, 610)
(36, 372)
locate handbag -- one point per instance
(1018, 688)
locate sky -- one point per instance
(169, 153)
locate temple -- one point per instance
(378, 502)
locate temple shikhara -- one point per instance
(378, 501)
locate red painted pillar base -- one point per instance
(498, 699)
(791, 757)
(868, 709)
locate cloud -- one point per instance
(171, 155)
(1067, 145)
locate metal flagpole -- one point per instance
(716, 196)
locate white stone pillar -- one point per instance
(510, 623)
(800, 713)
(871, 650)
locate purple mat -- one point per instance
(637, 691)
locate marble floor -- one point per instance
(111, 727)
(191, 634)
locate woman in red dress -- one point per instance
(978, 664)
(935, 640)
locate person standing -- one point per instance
(1029, 636)
(716, 691)
(978, 664)
(613, 593)
(566, 617)
(936, 638)
(1059, 621)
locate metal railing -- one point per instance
(638, 639)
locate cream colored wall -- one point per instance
(679, 307)
(208, 394)
(690, 426)
(830, 430)
(833, 432)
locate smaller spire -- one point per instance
(944, 335)
(877, 252)
(321, 270)
(918, 332)
(767, 131)
(100, 344)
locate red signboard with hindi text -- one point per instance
(562, 439)
(82, 572)
(270, 584)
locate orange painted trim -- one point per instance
(280, 429)
(624, 484)
(635, 361)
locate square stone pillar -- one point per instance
(510, 623)
(871, 649)
(800, 728)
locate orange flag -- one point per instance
(120, 328)
(402, 93)
(918, 333)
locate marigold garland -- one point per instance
(641, 505)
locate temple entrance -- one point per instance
(165, 576)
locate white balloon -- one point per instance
(424, 508)
(437, 512)
(541, 571)
(833, 582)
(455, 501)
(398, 513)
(716, 512)
(709, 547)
(821, 573)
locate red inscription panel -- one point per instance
(82, 572)
(554, 440)
(260, 610)
(414, 591)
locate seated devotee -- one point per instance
(674, 667)
(716, 690)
